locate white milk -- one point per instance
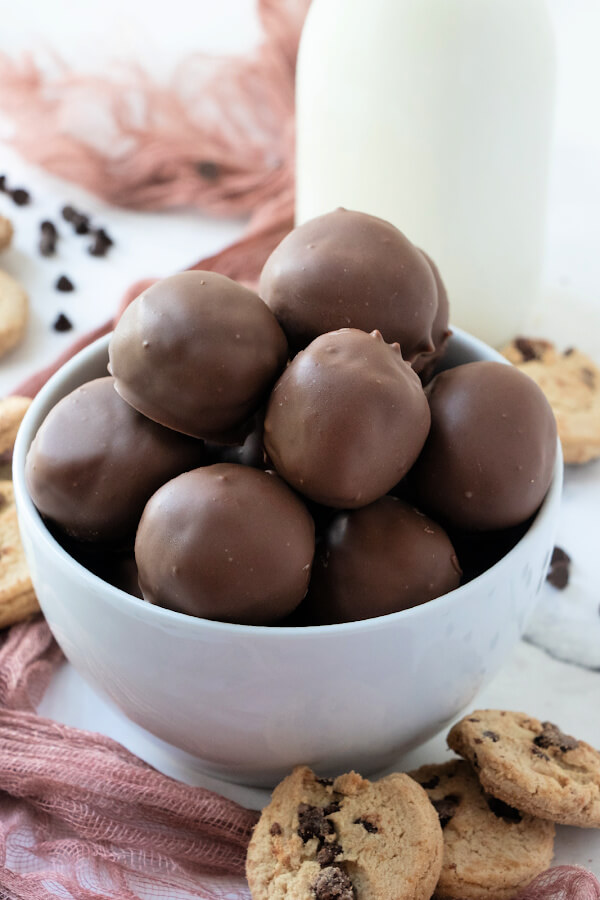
(436, 115)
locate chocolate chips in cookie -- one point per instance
(346, 840)
(490, 848)
(533, 766)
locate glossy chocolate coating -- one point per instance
(226, 542)
(347, 419)
(95, 461)
(350, 270)
(489, 457)
(426, 363)
(378, 560)
(197, 353)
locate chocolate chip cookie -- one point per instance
(571, 382)
(345, 839)
(490, 848)
(532, 765)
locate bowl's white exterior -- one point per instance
(251, 702)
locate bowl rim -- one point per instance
(30, 519)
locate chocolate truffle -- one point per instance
(425, 364)
(226, 542)
(377, 560)
(198, 353)
(95, 462)
(489, 457)
(347, 419)
(349, 269)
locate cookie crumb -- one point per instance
(62, 323)
(560, 569)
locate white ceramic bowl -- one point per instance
(251, 702)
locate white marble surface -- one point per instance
(158, 244)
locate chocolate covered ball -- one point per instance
(226, 542)
(198, 353)
(349, 269)
(347, 419)
(95, 462)
(426, 363)
(489, 457)
(377, 560)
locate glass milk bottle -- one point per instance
(436, 115)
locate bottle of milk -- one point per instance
(436, 115)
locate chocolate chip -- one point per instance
(62, 323)
(446, 807)
(101, 244)
(68, 213)
(312, 823)
(20, 196)
(81, 224)
(473, 719)
(49, 234)
(478, 740)
(540, 754)
(64, 284)
(208, 169)
(569, 351)
(552, 736)
(560, 569)
(333, 884)
(332, 807)
(367, 825)
(431, 784)
(327, 854)
(275, 828)
(324, 781)
(492, 736)
(503, 811)
(530, 349)
(588, 376)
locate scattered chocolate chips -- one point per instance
(62, 323)
(327, 854)
(540, 754)
(333, 884)
(367, 825)
(560, 568)
(275, 828)
(312, 823)
(64, 284)
(492, 736)
(446, 807)
(431, 784)
(48, 237)
(19, 196)
(503, 811)
(101, 244)
(552, 736)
